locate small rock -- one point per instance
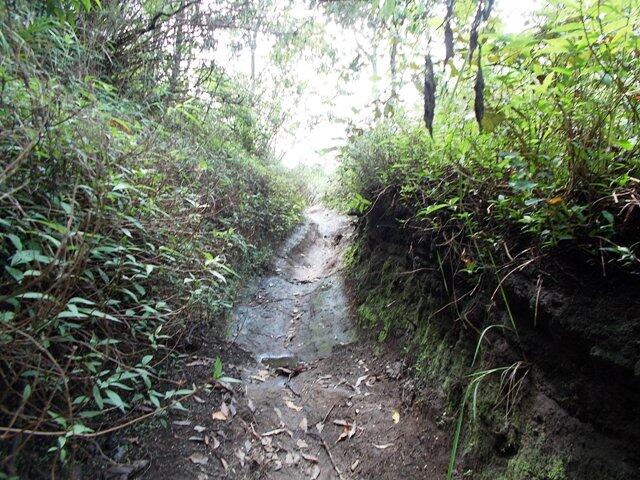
(394, 370)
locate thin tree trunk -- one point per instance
(177, 53)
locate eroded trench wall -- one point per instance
(563, 401)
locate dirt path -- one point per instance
(313, 402)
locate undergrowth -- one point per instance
(124, 223)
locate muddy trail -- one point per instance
(312, 401)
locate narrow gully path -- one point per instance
(315, 401)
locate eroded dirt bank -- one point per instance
(313, 402)
(559, 400)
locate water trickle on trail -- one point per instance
(299, 311)
(314, 401)
(322, 406)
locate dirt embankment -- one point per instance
(564, 402)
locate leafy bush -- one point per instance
(123, 224)
(557, 165)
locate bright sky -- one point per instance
(306, 140)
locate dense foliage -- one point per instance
(533, 166)
(556, 166)
(128, 216)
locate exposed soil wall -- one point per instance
(566, 408)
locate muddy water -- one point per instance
(299, 311)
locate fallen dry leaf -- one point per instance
(301, 443)
(310, 458)
(292, 405)
(314, 472)
(196, 363)
(383, 446)
(343, 434)
(352, 430)
(240, 456)
(288, 459)
(261, 376)
(319, 427)
(212, 442)
(196, 439)
(303, 425)
(360, 380)
(277, 431)
(279, 414)
(182, 423)
(224, 463)
(219, 415)
(198, 399)
(354, 465)
(199, 428)
(199, 458)
(395, 416)
(348, 429)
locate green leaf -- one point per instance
(217, 368)
(388, 7)
(425, 212)
(34, 296)
(79, 429)
(15, 273)
(98, 397)
(116, 400)
(26, 393)
(27, 256)
(15, 240)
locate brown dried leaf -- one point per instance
(219, 415)
(304, 425)
(292, 405)
(310, 458)
(314, 472)
(360, 380)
